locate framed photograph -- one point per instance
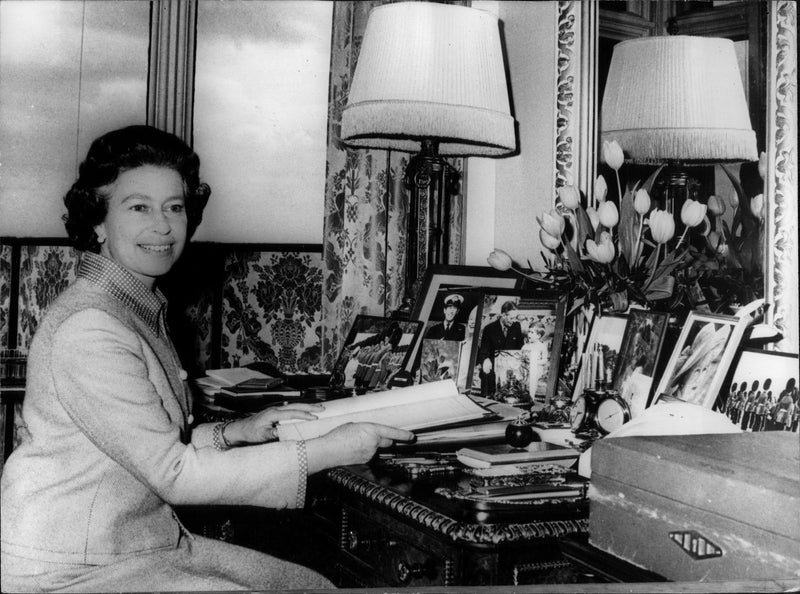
(701, 358)
(439, 360)
(374, 351)
(762, 391)
(638, 357)
(523, 332)
(597, 362)
(441, 280)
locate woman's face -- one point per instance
(145, 228)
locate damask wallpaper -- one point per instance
(271, 310)
(5, 293)
(45, 271)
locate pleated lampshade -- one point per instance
(677, 98)
(430, 71)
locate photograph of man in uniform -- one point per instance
(448, 328)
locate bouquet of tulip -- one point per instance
(610, 256)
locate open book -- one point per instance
(423, 406)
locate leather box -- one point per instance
(699, 507)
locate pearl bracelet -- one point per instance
(302, 457)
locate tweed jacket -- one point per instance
(107, 450)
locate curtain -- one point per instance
(365, 205)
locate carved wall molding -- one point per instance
(576, 95)
(781, 214)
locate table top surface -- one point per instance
(440, 501)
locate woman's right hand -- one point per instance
(351, 443)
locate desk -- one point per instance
(376, 527)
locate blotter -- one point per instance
(423, 406)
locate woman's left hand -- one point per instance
(260, 427)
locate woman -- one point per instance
(108, 447)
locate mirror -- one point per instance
(577, 105)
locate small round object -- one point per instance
(612, 413)
(519, 434)
(581, 414)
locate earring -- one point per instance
(101, 240)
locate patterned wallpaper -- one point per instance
(271, 309)
(5, 293)
(45, 271)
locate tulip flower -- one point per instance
(594, 218)
(608, 214)
(600, 189)
(757, 206)
(762, 165)
(499, 260)
(713, 239)
(602, 251)
(548, 240)
(553, 223)
(641, 202)
(612, 154)
(733, 199)
(693, 213)
(570, 197)
(662, 226)
(716, 206)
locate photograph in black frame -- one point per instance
(638, 357)
(761, 393)
(375, 349)
(453, 278)
(529, 317)
(452, 322)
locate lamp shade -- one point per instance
(430, 71)
(677, 98)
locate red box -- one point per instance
(699, 507)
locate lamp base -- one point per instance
(431, 182)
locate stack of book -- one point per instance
(504, 460)
(243, 389)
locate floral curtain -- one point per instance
(365, 205)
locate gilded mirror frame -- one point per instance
(576, 142)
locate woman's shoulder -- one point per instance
(82, 302)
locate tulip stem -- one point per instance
(619, 187)
(680, 241)
(655, 265)
(635, 254)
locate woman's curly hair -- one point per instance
(117, 152)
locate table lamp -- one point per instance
(430, 80)
(677, 100)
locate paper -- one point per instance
(413, 408)
(234, 375)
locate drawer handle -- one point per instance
(407, 572)
(354, 541)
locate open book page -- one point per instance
(413, 408)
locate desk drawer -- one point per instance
(390, 557)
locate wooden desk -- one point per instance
(383, 528)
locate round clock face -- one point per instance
(612, 413)
(578, 414)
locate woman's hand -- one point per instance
(260, 427)
(351, 443)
